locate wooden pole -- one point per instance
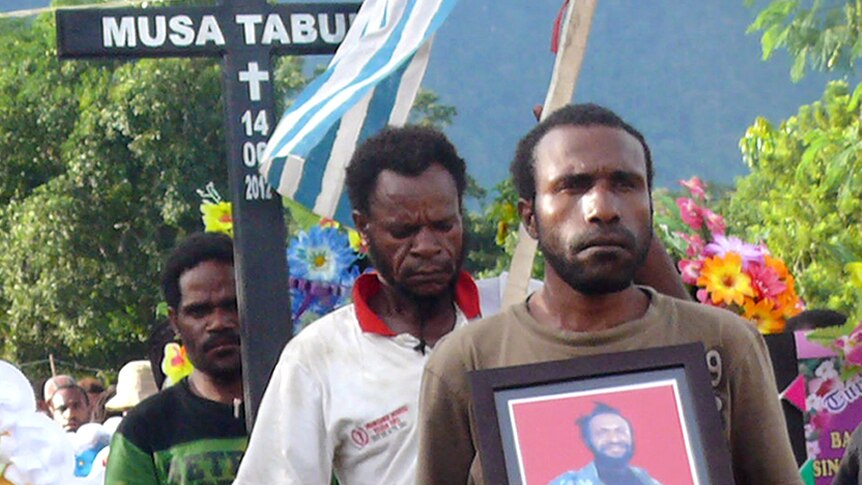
(567, 66)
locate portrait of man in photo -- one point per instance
(610, 438)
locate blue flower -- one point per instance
(321, 254)
(322, 271)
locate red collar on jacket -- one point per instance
(367, 285)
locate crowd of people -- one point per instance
(376, 392)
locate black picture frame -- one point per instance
(497, 392)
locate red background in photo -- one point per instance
(551, 443)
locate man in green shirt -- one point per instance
(193, 432)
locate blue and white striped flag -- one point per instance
(371, 82)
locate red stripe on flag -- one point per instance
(558, 27)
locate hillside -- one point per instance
(685, 74)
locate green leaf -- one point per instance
(836, 169)
(770, 40)
(797, 71)
(812, 151)
(826, 336)
(855, 98)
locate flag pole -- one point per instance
(574, 33)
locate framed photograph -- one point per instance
(646, 416)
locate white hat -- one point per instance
(134, 384)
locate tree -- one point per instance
(822, 35)
(98, 171)
(804, 194)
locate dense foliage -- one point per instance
(804, 194)
(99, 162)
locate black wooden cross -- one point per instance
(245, 34)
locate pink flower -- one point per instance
(695, 186)
(695, 244)
(703, 297)
(689, 270)
(766, 281)
(690, 213)
(854, 356)
(714, 222)
(851, 346)
(721, 245)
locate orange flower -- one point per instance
(763, 313)
(789, 303)
(724, 280)
(779, 267)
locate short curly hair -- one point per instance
(194, 250)
(407, 151)
(523, 168)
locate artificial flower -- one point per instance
(766, 282)
(721, 246)
(724, 279)
(175, 364)
(321, 254)
(217, 217)
(322, 264)
(689, 270)
(695, 186)
(851, 346)
(779, 267)
(764, 315)
(329, 222)
(357, 244)
(695, 244)
(826, 370)
(821, 387)
(729, 273)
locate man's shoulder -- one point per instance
(154, 407)
(479, 330)
(145, 420)
(585, 476)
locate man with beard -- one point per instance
(608, 435)
(584, 179)
(193, 432)
(343, 396)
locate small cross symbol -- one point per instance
(253, 77)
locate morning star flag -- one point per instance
(371, 82)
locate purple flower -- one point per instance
(722, 245)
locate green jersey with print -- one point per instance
(177, 438)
